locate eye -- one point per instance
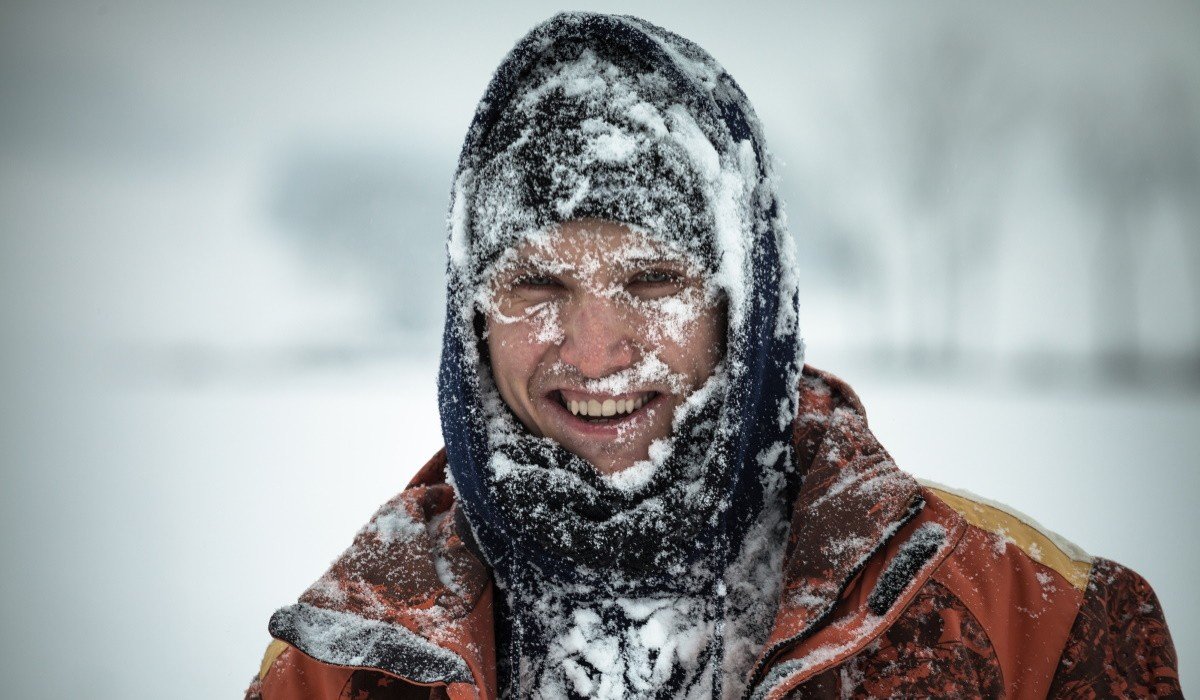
(535, 281)
(655, 283)
(534, 288)
(656, 277)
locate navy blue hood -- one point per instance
(725, 207)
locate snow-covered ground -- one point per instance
(163, 524)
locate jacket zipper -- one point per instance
(757, 676)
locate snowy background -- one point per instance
(221, 262)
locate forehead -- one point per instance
(594, 245)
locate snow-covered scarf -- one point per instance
(660, 586)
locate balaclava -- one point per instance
(663, 586)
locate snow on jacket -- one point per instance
(892, 588)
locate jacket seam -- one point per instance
(1087, 591)
(936, 576)
(980, 617)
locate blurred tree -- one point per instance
(1134, 146)
(957, 116)
(375, 216)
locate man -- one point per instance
(644, 492)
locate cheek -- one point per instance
(544, 325)
(697, 346)
(673, 320)
(685, 327)
(712, 332)
(515, 352)
(703, 347)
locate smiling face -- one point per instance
(597, 333)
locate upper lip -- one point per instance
(576, 387)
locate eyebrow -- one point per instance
(549, 265)
(534, 265)
(663, 260)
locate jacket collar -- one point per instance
(852, 500)
(412, 599)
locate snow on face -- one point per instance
(597, 334)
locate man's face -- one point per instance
(597, 333)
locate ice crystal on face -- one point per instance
(601, 274)
(649, 369)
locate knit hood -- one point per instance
(651, 131)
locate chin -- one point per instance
(604, 462)
(608, 468)
(609, 464)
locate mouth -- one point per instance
(600, 409)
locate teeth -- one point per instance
(606, 408)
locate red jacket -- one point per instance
(891, 588)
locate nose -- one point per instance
(599, 338)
